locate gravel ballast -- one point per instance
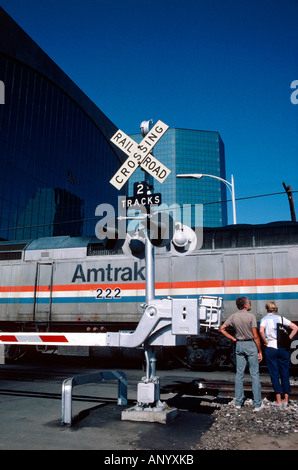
(235, 429)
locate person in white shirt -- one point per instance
(277, 358)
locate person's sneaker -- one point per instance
(238, 407)
(259, 408)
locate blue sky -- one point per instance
(221, 65)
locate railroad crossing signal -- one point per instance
(139, 155)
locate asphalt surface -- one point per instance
(30, 410)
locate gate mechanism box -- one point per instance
(185, 319)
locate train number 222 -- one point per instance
(108, 293)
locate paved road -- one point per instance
(30, 410)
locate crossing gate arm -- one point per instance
(54, 339)
(97, 377)
(156, 311)
(183, 314)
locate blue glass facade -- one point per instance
(56, 159)
(191, 151)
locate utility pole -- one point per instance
(288, 190)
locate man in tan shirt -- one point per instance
(248, 350)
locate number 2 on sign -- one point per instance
(140, 188)
(108, 293)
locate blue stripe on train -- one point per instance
(225, 297)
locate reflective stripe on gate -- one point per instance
(54, 339)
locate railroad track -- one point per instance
(196, 387)
(226, 389)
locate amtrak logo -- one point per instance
(110, 273)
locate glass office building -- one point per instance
(191, 151)
(56, 159)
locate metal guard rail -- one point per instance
(68, 384)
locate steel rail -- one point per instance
(227, 388)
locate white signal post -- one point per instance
(139, 155)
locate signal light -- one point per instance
(184, 240)
(135, 245)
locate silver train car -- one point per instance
(78, 284)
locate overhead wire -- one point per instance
(26, 227)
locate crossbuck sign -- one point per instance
(139, 155)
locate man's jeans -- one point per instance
(247, 352)
(278, 363)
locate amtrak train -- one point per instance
(78, 284)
